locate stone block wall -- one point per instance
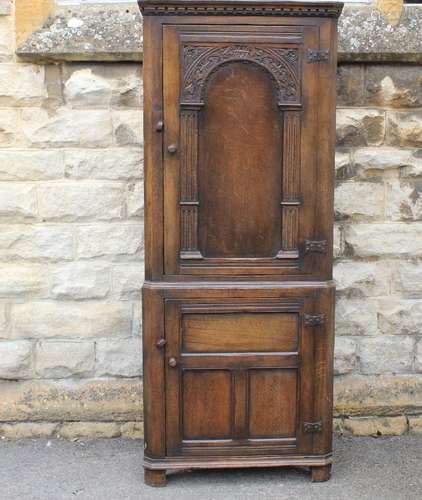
(378, 208)
(71, 248)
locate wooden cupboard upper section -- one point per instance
(239, 140)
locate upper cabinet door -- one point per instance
(243, 180)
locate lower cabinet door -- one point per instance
(239, 376)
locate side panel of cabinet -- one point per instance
(239, 375)
(241, 152)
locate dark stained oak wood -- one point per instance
(321, 473)
(155, 477)
(241, 332)
(238, 302)
(240, 165)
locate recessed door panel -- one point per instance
(239, 164)
(206, 404)
(240, 332)
(272, 402)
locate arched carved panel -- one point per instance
(200, 62)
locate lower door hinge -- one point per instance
(314, 319)
(318, 55)
(312, 426)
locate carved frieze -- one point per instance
(199, 62)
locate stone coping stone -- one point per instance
(95, 32)
(104, 32)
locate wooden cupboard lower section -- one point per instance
(238, 374)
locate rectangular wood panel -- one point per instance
(272, 403)
(207, 407)
(240, 332)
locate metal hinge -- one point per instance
(314, 320)
(318, 55)
(315, 246)
(312, 426)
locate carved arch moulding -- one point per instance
(200, 62)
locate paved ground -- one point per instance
(365, 469)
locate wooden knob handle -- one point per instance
(172, 362)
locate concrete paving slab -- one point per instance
(365, 469)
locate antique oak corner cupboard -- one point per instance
(238, 300)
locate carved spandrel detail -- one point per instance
(200, 62)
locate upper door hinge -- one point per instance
(318, 55)
(315, 246)
(314, 320)
(313, 426)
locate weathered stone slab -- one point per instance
(64, 359)
(360, 127)
(22, 85)
(128, 127)
(127, 281)
(375, 395)
(103, 85)
(18, 202)
(80, 280)
(400, 317)
(362, 279)
(404, 201)
(15, 359)
(395, 239)
(5, 7)
(396, 86)
(65, 127)
(24, 430)
(36, 242)
(6, 35)
(418, 359)
(359, 200)
(93, 430)
(405, 129)
(71, 319)
(135, 200)
(73, 201)
(356, 317)
(108, 164)
(79, 400)
(31, 165)
(365, 34)
(113, 240)
(24, 280)
(345, 356)
(8, 126)
(386, 354)
(415, 425)
(350, 85)
(375, 426)
(88, 32)
(373, 163)
(119, 358)
(407, 279)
